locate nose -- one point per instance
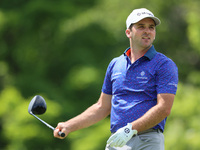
(147, 30)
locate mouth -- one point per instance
(148, 38)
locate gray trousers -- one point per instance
(147, 141)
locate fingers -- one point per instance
(112, 140)
(55, 133)
(60, 127)
(116, 141)
(109, 140)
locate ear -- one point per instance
(128, 33)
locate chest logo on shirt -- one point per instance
(142, 73)
(142, 78)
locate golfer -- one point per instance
(138, 91)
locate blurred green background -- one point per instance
(61, 49)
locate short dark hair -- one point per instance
(130, 27)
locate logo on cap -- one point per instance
(143, 13)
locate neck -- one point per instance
(137, 53)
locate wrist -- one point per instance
(130, 126)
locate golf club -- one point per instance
(38, 106)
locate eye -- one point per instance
(151, 27)
(141, 27)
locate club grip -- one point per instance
(62, 134)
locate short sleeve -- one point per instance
(167, 77)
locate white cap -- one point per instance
(139, 14)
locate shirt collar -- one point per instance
(149, 54)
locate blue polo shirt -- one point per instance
(134, 86)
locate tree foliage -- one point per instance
(60, 50)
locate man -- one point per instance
(138, 91)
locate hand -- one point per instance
(122, 136)
(60, 127)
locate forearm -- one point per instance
(89, 117)
(150, 119)
(156, 114)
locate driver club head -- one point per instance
(37, 105)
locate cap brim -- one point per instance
(156, 20)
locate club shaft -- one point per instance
(48, 125)
(62, 134)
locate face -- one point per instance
(142, 34)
